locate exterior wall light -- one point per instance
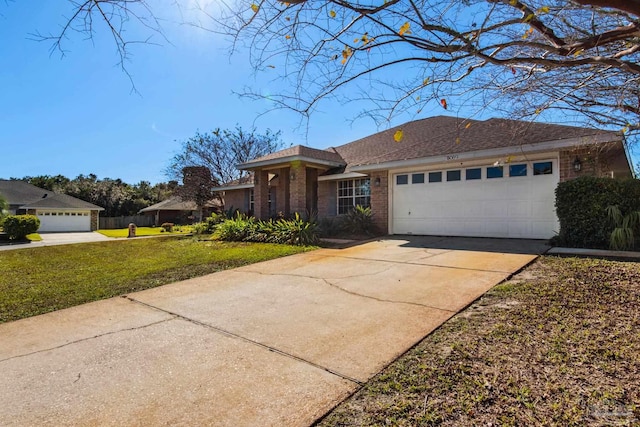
(577, 165)
(376, 182)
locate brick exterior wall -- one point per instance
(327, 199)
(311, 203)
(237, 199)
(380, 200)
(298, 188)
(282, 192)
(261, 194)
(593, 163)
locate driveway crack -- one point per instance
(87, 339)
(250, 341)
(340, 288)
(333, 285)
(423, 265)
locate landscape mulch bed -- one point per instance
(557, 345)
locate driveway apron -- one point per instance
(275, 343)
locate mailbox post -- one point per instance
(132, 230)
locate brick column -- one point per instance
(95, 222)
(261, 194)
(380, 200)
(298, 188)
(282, 192)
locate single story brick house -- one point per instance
(178, 211)
(446, 176)
(57, 212)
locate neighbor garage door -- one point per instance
(51, 221)
(515, 200)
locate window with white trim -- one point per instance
(352, 192)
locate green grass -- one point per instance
(39, 280)
(146, 231)
(558, 345)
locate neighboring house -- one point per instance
(57, 212)
(446, 176)
(178, 211)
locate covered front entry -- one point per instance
(58, 220)
(514, 200)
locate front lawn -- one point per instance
(558, 345)
(39, 280)
(146, 231)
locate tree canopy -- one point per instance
(526, 57)
(220, 151)
(117, 197)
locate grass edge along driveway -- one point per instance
(40, 280)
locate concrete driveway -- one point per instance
(51, 239)
(275, 343)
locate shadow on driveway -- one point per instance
(479, 244)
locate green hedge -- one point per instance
(581, 205)
(18, 226)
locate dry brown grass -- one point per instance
(558, 345)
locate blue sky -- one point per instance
(78, 115)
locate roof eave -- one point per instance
(288, 159)
(491, 152)
(97, 208)
(232, 187)
(339, 176)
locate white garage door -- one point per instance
(515, 200)
(51, 221)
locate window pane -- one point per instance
(417, 178)
(517, 170)
(344, 205)
(453, 175)
(402, 179)
(345, 188)
(363, 201)
(543, 168)
(435, 176)
(362, 187)
(494, 172)
(475, 173)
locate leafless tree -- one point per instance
(525, 56)
(417, 55)
(220, 151)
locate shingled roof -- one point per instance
(433, 136)
(26, 196)
(443, 135)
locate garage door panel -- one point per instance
(520, 209)
(540, 229)
(494, 208)
(53, 221)
(521, 206)
(519, 228)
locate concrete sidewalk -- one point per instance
(275, 343)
